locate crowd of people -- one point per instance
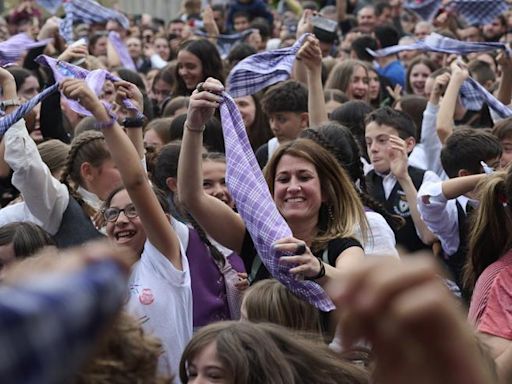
(257, 191)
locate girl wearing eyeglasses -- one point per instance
(160, 289)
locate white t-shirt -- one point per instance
(161, 298)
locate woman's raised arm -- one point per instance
(216, 218)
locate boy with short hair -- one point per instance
(286, 106)
(445, 205)
(241, 21)
(390, 137)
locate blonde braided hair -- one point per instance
(89, 147)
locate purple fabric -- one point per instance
(208, 288)
(89, 11)
(261, 70)
(95, 79)
(473, 95)
(426, 9)
(438, 43)
(8, 120)
(12, 48)
(122, 51)
(50, 5)
(256, 206)
(226, 42)
(478, 12)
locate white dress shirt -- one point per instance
(44, 198)
(440, 214)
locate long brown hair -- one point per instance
(489, 237)
(341, 75)
(253, 353)
(269, 301)
(342, 211)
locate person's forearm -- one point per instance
(299, 72)
(190, 181)
(123, 151)
(458, 186)
(411, 195)
(505, 87)
(294, 6)
(316, 100)
(341, 10)
(444, 123)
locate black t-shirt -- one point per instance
(252, 260)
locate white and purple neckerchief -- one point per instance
(442, 44)
(261, 70)
(13, 48)
(478, 12)
(426, 9)
(224, 43)
(94, 79)
(89, 11)
(63, 70)
(52, 6)
(257, 208)
(121, 50)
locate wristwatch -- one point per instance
(10, 103)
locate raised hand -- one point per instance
(459, 71)
(398, 160)
(127, 90)
(417, 330)
(74, 52)
(305, 24)
(78, 90)
(203, 102)
(311, 54)
(440, 84)
(210, 26)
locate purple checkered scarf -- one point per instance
(473, 95)
(50, 5)
(256, 206)
(94, 79)
(261, 70)
(13, 48)
(478, 12)
(426, 9)
(438, 43)
(122, 51)
(89, 11)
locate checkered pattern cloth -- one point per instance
(226, 42)
(256, 206)
(439, 43)
(261, 70)
(8, 120)
(426, 9)
(50, 5)
(473, 95)
(94, 79)
(478, 12)
(122, 51)
(48, 326)
(89, 11)
(13, 48)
